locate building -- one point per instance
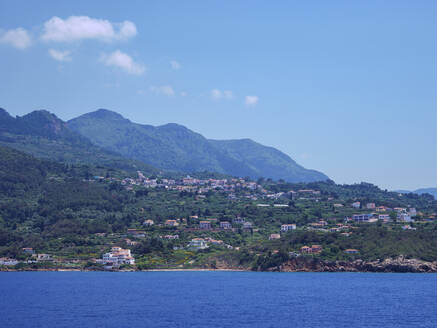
(351, 251)
(117, 256)
(171, 237)
(215, 242)
(225, 225)
(407, 227)
(288, 227)
(362, 217)
(43, 257)
(384, 217)
(316, 248)
(356, 205)
(198, 243)
(239, 220)
(323, 223)
(305, 250)
(370, 206)
(400, 210)
(247, 226)
(171, 223)
(275, 236)
(130, 242)
(28, 250)
(205, 225)
(8, 261)
(136, 233)
(148, 223)
(404, 217)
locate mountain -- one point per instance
(174, 147)
(431, 191)
(44, 135)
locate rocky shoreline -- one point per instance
(298, 264)
(399, 264)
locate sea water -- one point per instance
(217, 299)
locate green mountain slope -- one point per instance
(174, 147)
(267, 161)
(43, 135)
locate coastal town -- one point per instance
(205, 232)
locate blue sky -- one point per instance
(347, 88)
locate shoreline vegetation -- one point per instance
(397, 265)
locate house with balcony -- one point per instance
(118, 256)
(362, 217)
(198, 243)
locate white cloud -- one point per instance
(124, 61)
(184, 94)
(165, 90)
(77, 28)
(127, 30)
(175, 65)
(251, 100)
(216, 94)
(219, 94)
(18, 38)
(59, 55)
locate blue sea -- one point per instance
(217, 299)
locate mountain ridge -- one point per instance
(420, 191)
(175, 147)
(43, 135)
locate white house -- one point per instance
(356, 205)
(205, 225)
(225, 225)
(384, 217)
(8, 261)
(288, 227)
(198, 243)
(275, 236)
(404, 217)
(118, 256)
(148, 223)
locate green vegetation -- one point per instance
(76, 213)
(174, 147)
(43, 135)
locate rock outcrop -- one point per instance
(399, 264)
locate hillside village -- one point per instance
(257, 213)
